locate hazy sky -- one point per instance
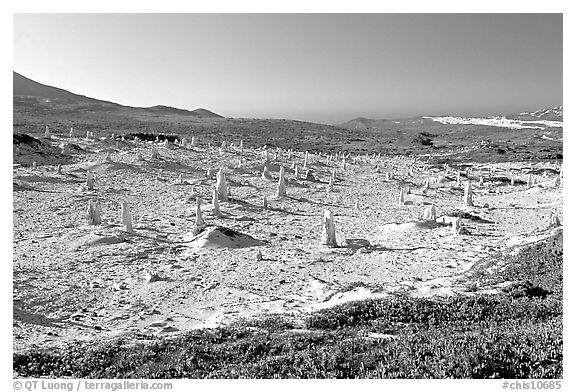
(326, 68)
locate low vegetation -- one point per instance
(514, 334)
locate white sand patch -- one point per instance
(545, 137)
(274, 306)
(430, 291)
(522, 240)
(211, 318)
(502, 122)
(379, 336)
(466, 266)
(357, 294)
(317, 290)
(159, 324)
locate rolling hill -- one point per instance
(550, 114)
(29, 95)
(540, 119)
(26, 88)
(37, 106)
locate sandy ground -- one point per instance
(74, 281)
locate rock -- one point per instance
(117, 286)
(328, 229)
(150, 277)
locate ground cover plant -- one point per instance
(516, 333)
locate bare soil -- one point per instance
(74, 281)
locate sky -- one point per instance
(327, 68)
